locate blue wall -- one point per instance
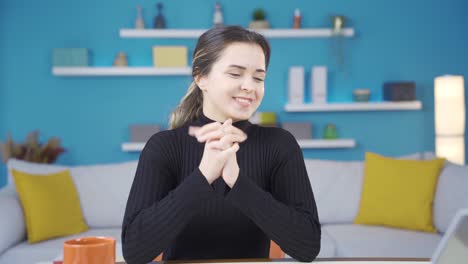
(2, 84)
(396, 40)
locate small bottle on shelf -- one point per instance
(218, 16)
(297, 18)
(139, 22)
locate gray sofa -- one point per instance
(336, 186)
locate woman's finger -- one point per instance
(226, 139)
(217, 134)
(206, 128)
(192, 130)
(229, 139)
(208, 131)
(215, 144)
(215, 131)
(212, 127)
(234, 130)
(233, 149)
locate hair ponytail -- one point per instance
(189, 109)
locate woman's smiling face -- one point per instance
(234, 87)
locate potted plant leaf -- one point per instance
(31, 150)
(259, 20)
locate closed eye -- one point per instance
(234, 74)
(258, 79)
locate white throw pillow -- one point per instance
(412, 156)
(31, 168)
(337, 188)
(429, 155)
(103, 191)
(451, 194)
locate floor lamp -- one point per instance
(449, 111)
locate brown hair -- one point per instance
(209, 48)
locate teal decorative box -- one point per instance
(75, 57)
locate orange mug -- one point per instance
(89, 250)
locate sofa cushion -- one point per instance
(49, 250)
(327, 246)
(399, 193)
(451, 194)
(337, 188)
(104, 188)
(100, 187)
(353, 240)
(12, 227)
(50, 203)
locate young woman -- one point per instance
(215, 186)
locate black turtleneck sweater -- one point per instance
(173, 209)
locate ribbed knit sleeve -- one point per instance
(288, 215)
(158, 209)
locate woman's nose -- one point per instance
(247, 85)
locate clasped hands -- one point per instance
(219, 155)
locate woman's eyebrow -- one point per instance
(243, 68)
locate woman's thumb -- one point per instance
(232, 149)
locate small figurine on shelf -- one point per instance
(121, 60)
(297, 18)
(159, 21)
(218, 16)
(330, 132)
(139, 22)
(338, 22)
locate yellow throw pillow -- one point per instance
(398, 192)
(50, 203)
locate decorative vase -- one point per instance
(159, 20)
(361, 95)
(139, 22)
(338, 39)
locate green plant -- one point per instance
(258, 14)
(31, 150)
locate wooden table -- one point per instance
(323, 260)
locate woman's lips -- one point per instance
(242, 101)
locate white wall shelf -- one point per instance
(132, 146)
(119, 71)
(369, 106)
(326, 143)
(269, 33)
(303, 143)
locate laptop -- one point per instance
(453, 248)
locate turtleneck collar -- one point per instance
(203, 120)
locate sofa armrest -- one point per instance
(12, 226)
